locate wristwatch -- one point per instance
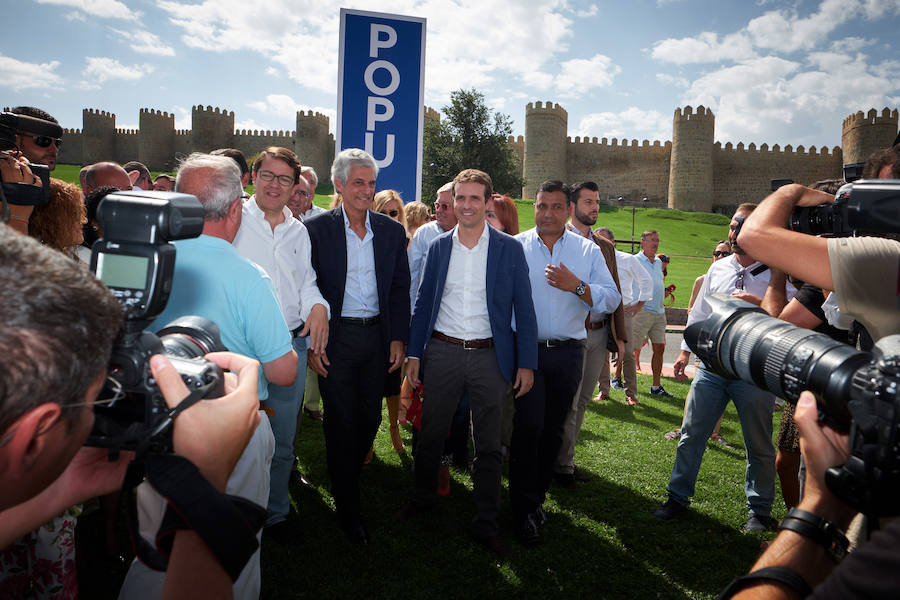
(580, 288)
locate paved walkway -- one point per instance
(673, 348)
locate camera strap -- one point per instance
(227, 524)
(779, 574)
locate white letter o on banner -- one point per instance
(370, 81)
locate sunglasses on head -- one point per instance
(719, 253)
(44, 141)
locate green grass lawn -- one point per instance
(688, 238)
(601, 541)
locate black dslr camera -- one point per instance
(136, 262)
(866, 206)
(857, 392)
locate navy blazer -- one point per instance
(508, 293)
(329, 258)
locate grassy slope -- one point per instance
(688, 238)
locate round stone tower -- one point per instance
(691, 163)
(545, 145)
(861, 134)
(99, 130)
(156, 141)
(211, 129)
(313, 147)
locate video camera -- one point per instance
(866, 206)
(855, 391)
(136, 262)
(26, 194)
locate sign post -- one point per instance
(380, 105)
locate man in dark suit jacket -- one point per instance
(475, 281)
(361, 265)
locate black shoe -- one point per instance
(283, 532)
(759, 523)
(315, 415)
(540, 517)
(410, 510)
(527, 532)
(671, 509)
(580, 476)
(492, 543)
(564, 480)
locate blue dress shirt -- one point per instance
(361, 291)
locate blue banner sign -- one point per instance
(381, 83)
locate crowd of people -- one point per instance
(501, 336)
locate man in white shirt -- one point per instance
(273, 239)
(637, 289)
(309, 209)
(740, 275)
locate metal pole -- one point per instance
(633, 209)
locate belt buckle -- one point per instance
(465, 345)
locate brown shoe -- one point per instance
(601, 398)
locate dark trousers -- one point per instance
(451, 371)
(352, 393)
(538, 426)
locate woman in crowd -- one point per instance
(389, 202)
(416, 216)
(59, 223)
(722, 250)
(501, 214)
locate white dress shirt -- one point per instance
(727, 276)
(313, 211)
(361, 289)
(284, 254)
(632, 274)
(464, 312)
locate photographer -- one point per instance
(49, 386)
(862, 271)
(14, 168)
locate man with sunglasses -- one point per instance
(743, 276)
(39, 149)
(279, 243)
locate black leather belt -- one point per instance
(561, 343)
(362, 321)
(592, 326)
(466, 344)
(296, 332)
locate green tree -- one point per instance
(470, 135)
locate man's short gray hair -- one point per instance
(217, 190)
(447, 187)
(347, 160)
(312, 172)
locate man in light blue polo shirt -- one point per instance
(651, 321)
(569, 277)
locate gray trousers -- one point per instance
(450, 371)
(595, 356)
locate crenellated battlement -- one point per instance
(616, 144)
(432, 114)
(776, 149)
(157, 113)
(858, 119)
(215, 111)
(316, 116)
(546, 108)
(689, 114)
(68, 131)
(99, 113)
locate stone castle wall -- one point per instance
(692, 172)
(157, 143)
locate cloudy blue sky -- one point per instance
(784, 72)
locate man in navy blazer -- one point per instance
(474, 282)
(362, 270)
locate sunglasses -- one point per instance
(392, 213)
(739, 282)
(719, 253)
(44, 141)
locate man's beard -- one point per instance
(584, 218)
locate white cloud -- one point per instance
(631, 123)
(19, 75)
(106, 9)
(101, 69)
(145, 42)
(574, 77)
(705, 47)
(250, 125)
(283, 110)
(786, 31)
(590, 11)
(667, 79)
(76, 16)
(182, 117)
(875, 9)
